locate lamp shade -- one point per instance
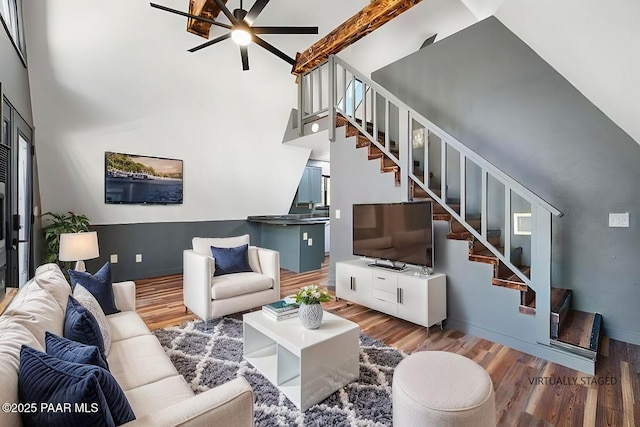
(78, 246)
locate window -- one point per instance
(11, 14)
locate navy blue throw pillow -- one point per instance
(69, 394)
(72, 351)
(81, 326)
(231, 260)
(99, 285)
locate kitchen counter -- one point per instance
(300, 239)
(293, 219)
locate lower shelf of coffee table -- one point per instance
(306, 365)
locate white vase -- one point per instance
(310, 315)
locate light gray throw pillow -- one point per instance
(86, 298)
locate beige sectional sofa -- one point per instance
(158, 395)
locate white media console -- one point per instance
(405, 294)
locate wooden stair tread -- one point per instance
(512, 281)
(506, 273)
(580, 333)
(476, 247)
(577, 328)
(466, 235)
(457, 227)
(485, 256)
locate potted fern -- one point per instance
(57, 224)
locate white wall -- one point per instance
(595, 45)
(406, 33)
(117, 76)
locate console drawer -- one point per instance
(385, 296)
(385, 281)
(388, 307)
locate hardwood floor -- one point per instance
(529, 391)
(10, 293)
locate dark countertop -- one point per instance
(290, 219)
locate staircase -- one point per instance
(482, 205)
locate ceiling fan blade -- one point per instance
(188, 15)
(255, 11)
(277, 52)
(244, 54)
(226, 11)
(284, 30)
(210, 42)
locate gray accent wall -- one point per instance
(161, 245)
(493, 93)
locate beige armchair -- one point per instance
(209, 296)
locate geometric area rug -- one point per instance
(209, 353)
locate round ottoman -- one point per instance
(437, 388)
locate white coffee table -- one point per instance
(306, 365)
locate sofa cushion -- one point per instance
(149, 398)
(50, 278)
(231, 260)
(138, 361)
(87, 299)
(202, 245)
(37, 310)
(12, 335)
(125, 325)
(81, 326)
(72, 351)
(99, 284)
(44, 378)
(232, 285)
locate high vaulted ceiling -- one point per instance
(117, 76)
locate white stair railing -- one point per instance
(395, 128)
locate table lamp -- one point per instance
(79, 247)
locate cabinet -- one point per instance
(405, 294)
(310, 187)
(353, 283)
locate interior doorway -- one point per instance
(16, 194)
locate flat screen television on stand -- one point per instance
(144, 180)
(394, 234)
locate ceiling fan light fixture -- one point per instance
(241, 36)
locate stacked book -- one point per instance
(280, 310)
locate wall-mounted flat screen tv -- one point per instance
(146, 180)
(397, 232)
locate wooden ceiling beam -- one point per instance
(370, 18)
(206, 9)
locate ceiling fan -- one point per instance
(242, 30)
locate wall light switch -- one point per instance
(337, 213)
(138, 257)
(305, 236)
(619, 219)
(310, 242)
(113, 259)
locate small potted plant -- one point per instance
(310, 312)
